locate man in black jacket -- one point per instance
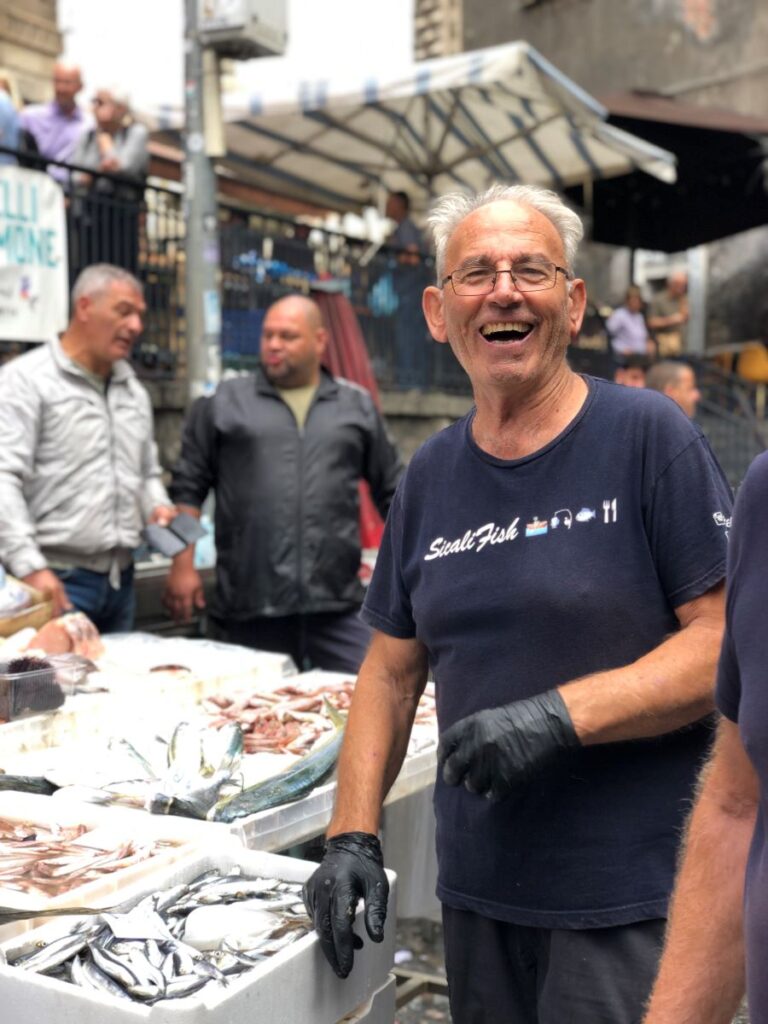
(284, 451)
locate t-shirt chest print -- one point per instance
(604, 513)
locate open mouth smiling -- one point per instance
(506, 330)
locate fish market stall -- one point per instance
(135, 673)
(217, 937)
(268, 755)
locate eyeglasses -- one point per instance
(526, 277)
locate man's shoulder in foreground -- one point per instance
(27, 365)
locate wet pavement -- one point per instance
(419, 947)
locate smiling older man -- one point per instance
(555, 560)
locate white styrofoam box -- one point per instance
(113, 825)
(379, 1009)
(295, 986)
(133, 686)
(284, 826)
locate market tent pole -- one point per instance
(202, 301)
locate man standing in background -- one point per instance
(677, 381)
(57, 126)
(283, 451)
(79, 473)
(668, 316)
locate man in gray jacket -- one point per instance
(284, 451)
(79, 473)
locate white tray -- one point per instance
(296, 986)
(188, 837)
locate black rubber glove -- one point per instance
(352, 867)
(499, 750)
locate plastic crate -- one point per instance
(32, 690)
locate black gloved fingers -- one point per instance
(456, 766)
(376, 897)
(342, 918)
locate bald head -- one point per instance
(67, 83)
(300, 306)
(293, 341)
(677, 283)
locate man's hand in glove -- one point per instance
(352, 867)
(499, 750)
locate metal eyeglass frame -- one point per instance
(510, 271)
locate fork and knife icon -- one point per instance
(610, 508)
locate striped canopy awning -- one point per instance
(458, 122)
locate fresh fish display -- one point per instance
(175, 942)
(287, 720)
(47, 861)
(27, 784)
(291, 719)
(292, 784)
(200, 763)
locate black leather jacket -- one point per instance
(287, 506)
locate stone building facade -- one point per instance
(30, 42)
(713, 53)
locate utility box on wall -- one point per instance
(244, 28)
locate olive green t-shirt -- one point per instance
(298, 401)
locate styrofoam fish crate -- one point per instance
(189, 838)
(280, 827)
(295, 986)
(135, 687)
(288, 824)
(379, 1009)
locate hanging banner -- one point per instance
(33, 256)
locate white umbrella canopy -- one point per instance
(459, 122)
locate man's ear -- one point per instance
(577, 304)
(83, 308)
(432, 304)
(321, 340)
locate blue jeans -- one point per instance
(111, 611)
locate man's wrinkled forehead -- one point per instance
(502, 229)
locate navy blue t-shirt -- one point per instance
(742, 696)
(521, 575)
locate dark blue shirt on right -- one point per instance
(742, 696)
(522, 575)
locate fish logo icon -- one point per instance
(585, 514)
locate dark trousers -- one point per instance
(500, 973)
(334, 641)
(110, 610)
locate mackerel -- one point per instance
(289, 785)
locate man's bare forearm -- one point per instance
(664, 690)
(391, 680)
(701, 978)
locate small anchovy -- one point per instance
(53, 953)
(99, 980)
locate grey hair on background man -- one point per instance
(448, 212)
(99, 277)
(665, 374)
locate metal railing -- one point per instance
(264, 256)
(140, 226)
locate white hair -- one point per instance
(448, 212)
(99, 277)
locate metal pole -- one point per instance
(203, 305)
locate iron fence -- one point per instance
(140, 226)
(264, 256)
